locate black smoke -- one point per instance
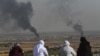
(32, 29)
(78, 28)
(20, 12)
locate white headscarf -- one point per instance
(41, 42)
(37, 48)
(66, 43)
(18, 44)
(67, 50)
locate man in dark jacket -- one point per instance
(84, 48)
(16, 50)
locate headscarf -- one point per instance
(41, 42)
(37, 48)
(66, 42)
(18, 44)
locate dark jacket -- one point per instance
(84, 48)
(16, 51)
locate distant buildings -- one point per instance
(46, 36)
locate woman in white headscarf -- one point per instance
(66, 50)
(40, 50)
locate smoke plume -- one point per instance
(78, 27)
(19, 12)
(65, 12)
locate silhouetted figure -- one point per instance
(16, 50)
(84, 48)
(67, 50)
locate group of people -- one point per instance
(65, 50)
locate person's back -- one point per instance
(40, 50)
(84, 48)
(67, 50)
(16, 51)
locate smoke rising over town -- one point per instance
(49, 15)
(60, 11)
(19, 12)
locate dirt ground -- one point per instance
(27, 46)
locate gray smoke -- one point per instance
(19, 12)
(65, 12)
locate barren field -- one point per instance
(52, 46)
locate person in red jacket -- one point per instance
(16, 50)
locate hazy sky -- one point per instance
(47, 19)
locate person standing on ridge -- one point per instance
(84, 48)
(16, 50)
(66, 50)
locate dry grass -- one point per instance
(27, 46)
